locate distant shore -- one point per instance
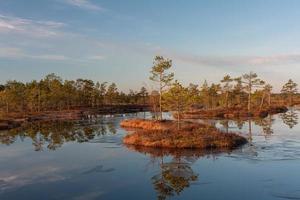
(232, 113)
(14, 120)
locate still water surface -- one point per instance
(87, 160)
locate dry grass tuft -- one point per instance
(146, 124)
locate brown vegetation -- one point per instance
(9, 124)
(191, 135)
(147, 124)
(232, 113)
(16, 119)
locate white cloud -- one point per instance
(11, 52)
(276, 59)
(28, 176)
(96, 57)
(33, 28)
(49, 57)
(227, 61)
(85, 4)
(6, 26)
(17, 53)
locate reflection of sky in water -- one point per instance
(271, 138)
(102, 168)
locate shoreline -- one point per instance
(15, 120)
(232, 113)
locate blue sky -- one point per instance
(116, 40)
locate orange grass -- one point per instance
(191, 135)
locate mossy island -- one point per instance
(167, 134)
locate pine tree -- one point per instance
(204, 94)
(266, 92)
(160, 75)
(226, 87)
(177, 99)
(112, 93)
(290, 89)
(251, 81)
(143, 94)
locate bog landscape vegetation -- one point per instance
(53, 98)
(143, 100)
(247, 93)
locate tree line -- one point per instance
(54, 93)
(246, 92)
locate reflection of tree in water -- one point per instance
(225, 124)
(290, 118)
(176, 172)
(250, 131)
(112, 128)
(240, 124)
(174, 177)
(266, 125)
(55, 134)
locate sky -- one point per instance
(116, 40)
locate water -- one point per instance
(87, 160)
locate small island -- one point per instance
(166, 134)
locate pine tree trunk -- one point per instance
(291, 99)
(249, 97)
(250, 130)
(178, 120)
(160, 107)
(262, 102)
(178, 116)
(249, 102)
(7, 107)
(160, 97)
(39, 101)
(227, 94)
